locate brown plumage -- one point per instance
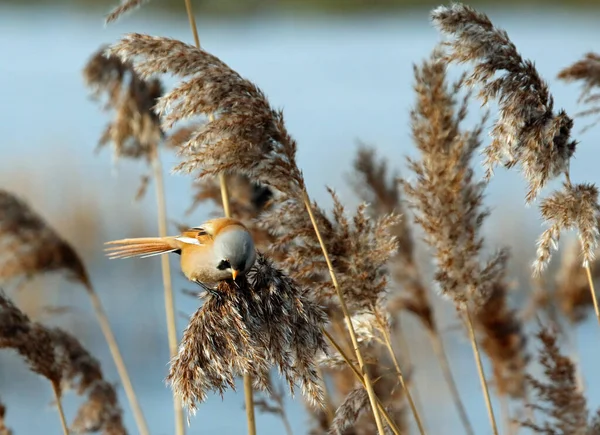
(217, 250)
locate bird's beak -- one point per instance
(234, 273)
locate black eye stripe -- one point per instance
(224, 264)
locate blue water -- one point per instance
(338, 79)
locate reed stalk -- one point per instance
(367, 379)
(248, 391)
(59, 407)
(388, 344)
(361, 379)
(168, 287)
(592, 291)
(437, 345)
(480, 371)
(138, 415)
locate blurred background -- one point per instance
(342, 72)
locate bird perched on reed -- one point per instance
(217, 250)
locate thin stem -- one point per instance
(166, 274)
(484, 385)
(360, 379)
(248, 391)
(438, 348)
(592, 291)
(138, 415)
(286, 424)
(388, 344)
(359, 357)
(249, 398)
(406, 361)
(59, 407)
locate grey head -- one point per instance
(234, 251)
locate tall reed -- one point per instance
(447, 201)
(528, 133)
(135, 133)
(32, 247)
(60, 358)
(248, 136)
(370, 181)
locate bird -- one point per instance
(218, 250)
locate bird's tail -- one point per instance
(142, 247)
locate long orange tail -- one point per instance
(142, 247)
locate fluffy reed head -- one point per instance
(28, 245)
(447, 201)
(60, 358)
(245, 135)
(572, 290)
(528, 132)
(135, 130)
(558, 397)
(382, 192)
(249, 327)
(359, 248)
(575, 207)
(125, 7)
(587, 71)
(504, 341)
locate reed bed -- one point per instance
(320, 310)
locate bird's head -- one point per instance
(233, 248)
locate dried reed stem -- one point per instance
(361, 379)
(168, 287)
(249, 398)
(248, 392)
(388, 344)
(592, 290)
(59, 407)
(437, 345)
(480, 371)
(347, 317)
(138, 415)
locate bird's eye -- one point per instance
(224, 264)
(201, 231)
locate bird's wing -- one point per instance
(195, 236)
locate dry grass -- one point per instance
(321, 305)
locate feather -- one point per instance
(142, 247)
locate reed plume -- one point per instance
(528, 132)
(587, 71)
(571, 285)
(125, 7)
(558, 397)
(447, 201)
(264, 321)
(31, 247)
(60, 358)
(243, 134)
(135, 132)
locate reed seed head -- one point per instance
(28, 245)
(587, 71)
(383, 194)
(246, 135)
(558, 397)
(446, 199)
(359, 247)
(135, 130)
(60, 358)
(528, 132)
(249, 327)
(125, 7)
(575, 207)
